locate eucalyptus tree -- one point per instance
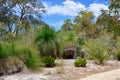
(110, 19)
(115, 7)
(84, 18)
(115, 13)
(83, 22)
(67, 25)
(18, 14)
(101, 20)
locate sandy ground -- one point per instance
(20, 76)
(67, 71)
(110, 75)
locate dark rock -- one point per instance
(69, 52)
(1, 73)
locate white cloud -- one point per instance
(71, 8)
(95, 8)
(68, 7)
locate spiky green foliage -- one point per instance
(28, 52)
(7, 49)
(24, 49)
(32, 61)
(47, 42)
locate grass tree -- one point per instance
(8, 61)
(15, 55)
(47, 42)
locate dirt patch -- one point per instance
(69, 72)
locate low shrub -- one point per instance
(118, 56)
(97, 51)
(80, 62)
(7, 49)
(32, 62)
(29, 56)
(49, 61)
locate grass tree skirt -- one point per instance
(10, 65)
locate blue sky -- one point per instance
(60, 10)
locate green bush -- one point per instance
(30, 60)
(7, 49)
(28, 53)
(118, 56)
(80, 62)
(81, 41)
(49, 61)
(97, 50)
(3, 51)
(24, 49)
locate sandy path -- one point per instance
(110, 75)
(19, 76)
(69, 72)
